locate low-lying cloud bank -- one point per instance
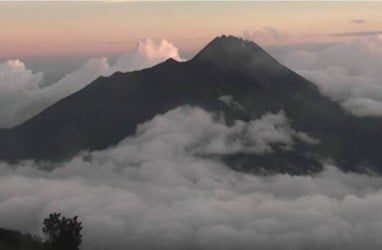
(22, 93)
(152, 191)
(349, 73)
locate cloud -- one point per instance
(358, 33)
(23, 94)
(364, 107)
(152, 191)
(346, 72)
(256, 136)
(147, 53)
(18, 88)
(358, 21)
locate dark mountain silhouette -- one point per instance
(110, 108)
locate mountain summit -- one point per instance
(230, 53)
(230, 49)
(110, 108)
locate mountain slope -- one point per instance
(109, 109)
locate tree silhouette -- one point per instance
(62, 233)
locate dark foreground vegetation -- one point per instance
(61, 233)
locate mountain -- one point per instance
(110, 108)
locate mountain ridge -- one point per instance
(109, 109)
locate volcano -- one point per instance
(110, 108)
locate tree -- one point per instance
(62, 233)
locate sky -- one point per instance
(74, 29)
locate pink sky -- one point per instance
(103, 28)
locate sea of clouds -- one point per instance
(154, 190)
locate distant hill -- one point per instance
(110, 108)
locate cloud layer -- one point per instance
(23, 95)
(349, 73)
(152, 191)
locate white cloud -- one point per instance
(14, 71)
(18, 88)
(363, 107)
(153, 191)
(184, 128)
(22, 96)
(147, 53)
(347, 72)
